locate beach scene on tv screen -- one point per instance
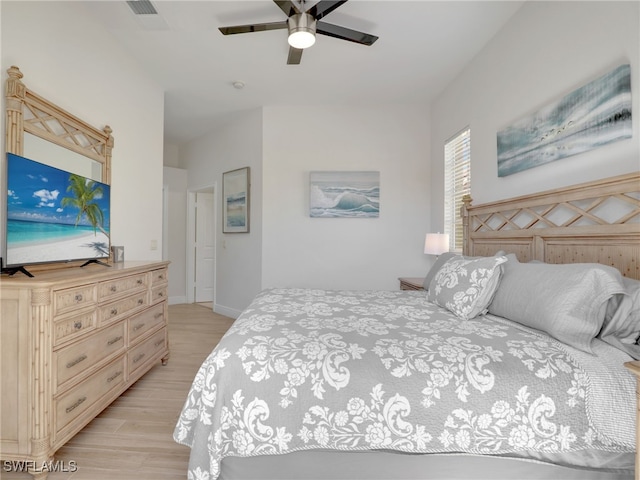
(54, 215)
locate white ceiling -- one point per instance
(423, 46)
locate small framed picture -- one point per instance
(235, 201)
(117, 254)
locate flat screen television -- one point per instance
(53, 215)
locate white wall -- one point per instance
(285, 246)
(547, 50)
(175, 187)
(68, 58)
(360, 254)
(238, 255)
(171, 155)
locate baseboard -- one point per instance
(177, 300)
(226, 311)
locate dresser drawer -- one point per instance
(78, 357)
(159, 277)
(73, 298)
(158, 294)
(145, 322)
(67, 328)
(121, 286)
(77, 400)
(147, 351)
(126, 306)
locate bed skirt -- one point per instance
(331, 465)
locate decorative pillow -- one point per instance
(565, 300)
(466, 286)
(621, 327)
(441, 260)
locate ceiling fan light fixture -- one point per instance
(302, 30)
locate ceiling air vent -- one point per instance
(146, 15)
(142, 7)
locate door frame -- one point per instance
(191, 238)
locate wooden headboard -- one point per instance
(595, 222)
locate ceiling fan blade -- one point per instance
(343, 33)
(325, 7)
(295, 55)
(287, 6)
(258, 27)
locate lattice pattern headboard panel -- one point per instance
(591, 222)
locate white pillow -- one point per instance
(565, 300)
(466, 286)
(621, 327)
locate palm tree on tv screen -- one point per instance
(85, 192)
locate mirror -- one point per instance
(39, 129)
(62, 158)
(42, 131)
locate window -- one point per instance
(457, 183)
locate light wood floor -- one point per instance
(132, 438)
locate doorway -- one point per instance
(201, 245)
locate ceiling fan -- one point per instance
(303, 24)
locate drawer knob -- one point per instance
(114, 376)
(161, 277)
(139, 282)
(73, 363)
(79, 297)
(114, 340)
(114, 288)
(138, 327)
(158, 343)
(76, 404)
(114, 311)
(158, 315)
(140, 301)
(77, 325)
(138, 358)
(161, 294)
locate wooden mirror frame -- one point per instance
(28, 112)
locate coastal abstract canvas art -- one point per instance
(344, 194)
(591, 116)
(235, 199)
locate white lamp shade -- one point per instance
(436, 243)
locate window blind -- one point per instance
(457, 183)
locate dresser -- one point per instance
(71, 341)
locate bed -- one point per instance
(474, 378)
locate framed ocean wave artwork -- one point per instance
(335, 194)
(593, 115)
(235, 201)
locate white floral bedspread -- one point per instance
(305, 369)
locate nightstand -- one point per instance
(411, 283)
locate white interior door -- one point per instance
(204, 248)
